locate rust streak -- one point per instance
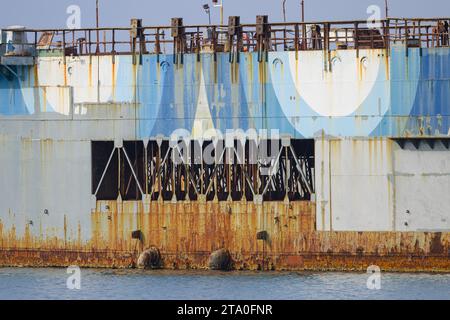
(187, 232)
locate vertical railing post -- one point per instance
(113, 44)
(420, 37)
(297, 35)
(64, 46)
(215, 43)
(198, 44)
(304, 40)
(85, 41)
(372, 42)
(89, 40)
(327, 43)
(387, 32)
(104, 41)
(35, 43)
(97, 50)
(157, 45)
(406, 36)
(406, 29)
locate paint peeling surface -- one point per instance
(371, 95)
(187, 233)
(363, 177)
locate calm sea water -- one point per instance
(155, 285)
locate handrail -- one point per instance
(283, 36)
(335, 22)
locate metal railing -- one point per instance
(424, 32)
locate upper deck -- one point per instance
(262, 36)
(341, 78)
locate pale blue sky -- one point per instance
(52, 13)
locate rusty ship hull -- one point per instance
(359, 174)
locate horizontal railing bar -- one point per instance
(342, 22)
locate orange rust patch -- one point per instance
(187, 232)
